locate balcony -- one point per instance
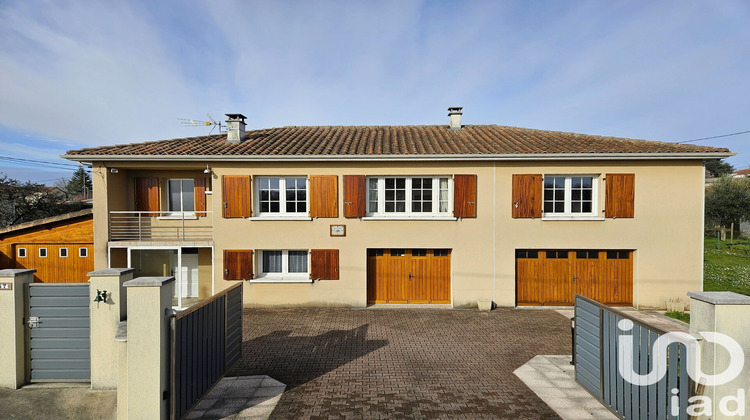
(151, 226)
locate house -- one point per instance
(60, 248)
(445, 214)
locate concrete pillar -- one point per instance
(122, 370)
(727, 313)
(149, 298)
(12, 334)
(105, 316)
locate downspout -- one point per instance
(494, 232)
(703, 221)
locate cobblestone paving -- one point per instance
(401, 363)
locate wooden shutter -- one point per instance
(235, 193)
(200, 196)
(619, 197)
(527, 196)
(238, 264)
(465, 195)
(147, 195)
(355, 192)
(324, 264)
(324, 196)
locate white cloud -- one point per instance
(99, 73)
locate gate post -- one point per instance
(105, 316)
(148, 356)
(12, 334)
(726, 313)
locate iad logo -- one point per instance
(702, 404)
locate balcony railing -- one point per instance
(160, 226)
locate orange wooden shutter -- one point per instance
(527, 196)
(619, 197)
(324, 196)
(200, 196)
(354, 196)
(147, 195)
(235, 193)
(238, 264)
(324, 264)
(465, 195)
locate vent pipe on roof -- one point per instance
(235, 128)
(455, 114)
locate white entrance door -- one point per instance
(189, 275)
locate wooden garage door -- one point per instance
(408, 276)
(553, 277)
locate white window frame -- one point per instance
(83, 250)
(409, 214)
(18, 253)
(45, 253)
(179, 214)
(282, 213)
(284, 276)
(60, 252)
(567, 214)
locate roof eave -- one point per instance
(463, 157)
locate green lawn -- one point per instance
(727, 268)
(724, 269)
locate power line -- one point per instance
(39, 163)
(714, 137)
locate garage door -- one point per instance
(408, 275)
(553, 277)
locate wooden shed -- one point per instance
(60, 248)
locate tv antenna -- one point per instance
(186, 122)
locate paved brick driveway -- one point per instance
(401, 363)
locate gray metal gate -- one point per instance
(596, 356)
(59, 339)
(206, 341)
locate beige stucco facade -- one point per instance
(665, 233)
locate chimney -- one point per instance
(235, 128)
(455, 114)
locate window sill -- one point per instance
(445, 218)
(281, 280)
(276, 218)
(568, 218)
(178, 216)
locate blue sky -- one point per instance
(86, 73)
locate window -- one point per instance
(618, 255)
(441, 252)
(21, 252)
(418, 252)
(83, 252)
(42, 252)
(522, 253)
(551, 255)
(374, 252)
(582, 255)
(63, 252)
(398, 252)
(181, 195)
(569, 195)
(408, 196)
(293, 264)
(280, 196)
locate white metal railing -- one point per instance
(160, 226)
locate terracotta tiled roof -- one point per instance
(352, 141)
